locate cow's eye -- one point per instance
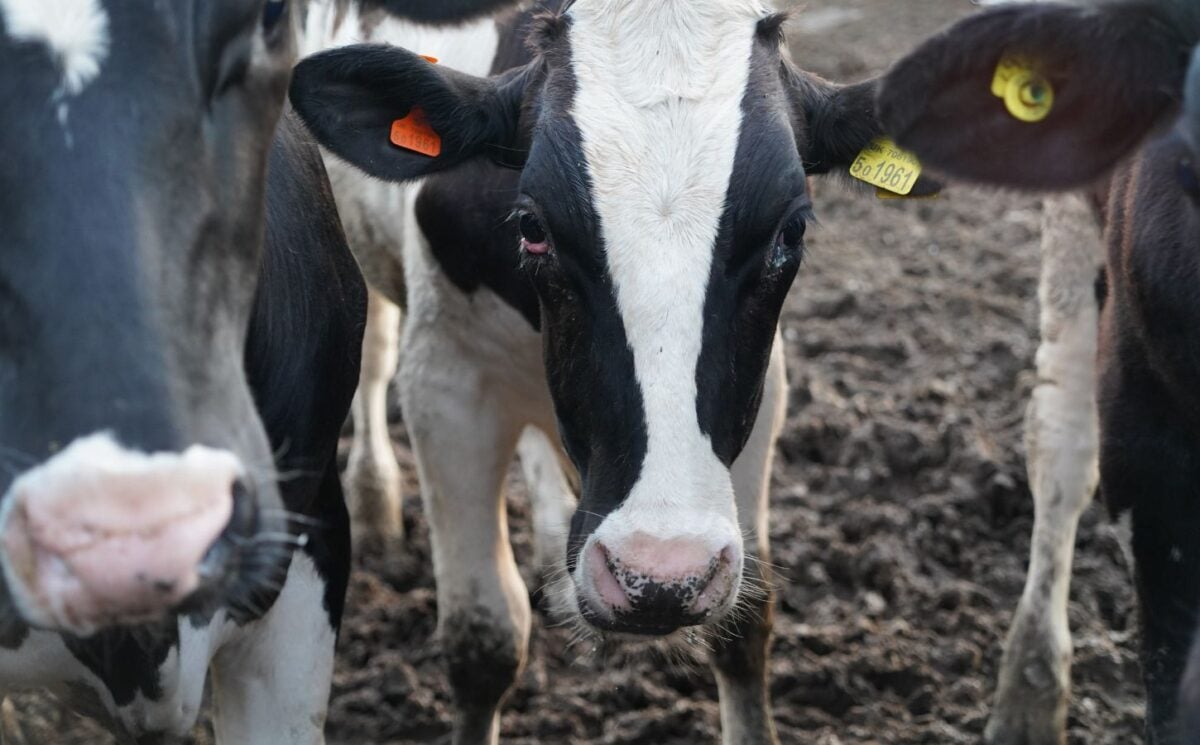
(1185, 172)
(273, 13)
(791, 235)
(533, 235)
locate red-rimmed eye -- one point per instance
(533, 235)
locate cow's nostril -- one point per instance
(604, 580)
(243, 524)
(245, 512)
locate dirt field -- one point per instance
(900, 512)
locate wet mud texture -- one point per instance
(900, 509)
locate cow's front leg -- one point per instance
(740, 655)
(372, 474)
(463, 441)
(1061, 444)
(271, 682)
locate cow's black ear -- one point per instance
(838, 120)
(398, 116)
(1042, 96)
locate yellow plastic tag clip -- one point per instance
(1027, 94)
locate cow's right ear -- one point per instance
(1040, 95)
(398, 116)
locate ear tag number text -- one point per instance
(885, 165)
(414, 132)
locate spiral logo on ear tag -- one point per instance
(1027, 94)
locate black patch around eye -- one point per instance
(272, 14)
(1185, 173)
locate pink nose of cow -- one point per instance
(101, 535)
(655, 586)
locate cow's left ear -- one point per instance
(838, 120)
(399, 117)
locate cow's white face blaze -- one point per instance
(658, 106)
(664, 149)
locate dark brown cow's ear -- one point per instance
(836, 121)
(399, 116)
(1042, 96)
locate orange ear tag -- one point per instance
(414, 132)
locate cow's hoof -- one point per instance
(1031, 704)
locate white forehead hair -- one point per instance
(662, 49)
(75, 32)
(658, 103)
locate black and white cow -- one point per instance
(1117, 73)
(604, 245)
(153, 358)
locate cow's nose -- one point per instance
(651, 585)
(100, 535)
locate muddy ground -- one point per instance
(900, 508)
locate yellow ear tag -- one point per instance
(1027, 94)
(883, 164)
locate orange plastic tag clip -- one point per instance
(430, 60)
(414, 132)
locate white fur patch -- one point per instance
(469, 47)
(75, 31)
(659, 108)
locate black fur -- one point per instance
(751, 272)
(350, 96)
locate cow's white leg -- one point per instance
(271, 680)
(463, 438)
(740, 657)
(551, 497)
(372, 475)
(1062, 441)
